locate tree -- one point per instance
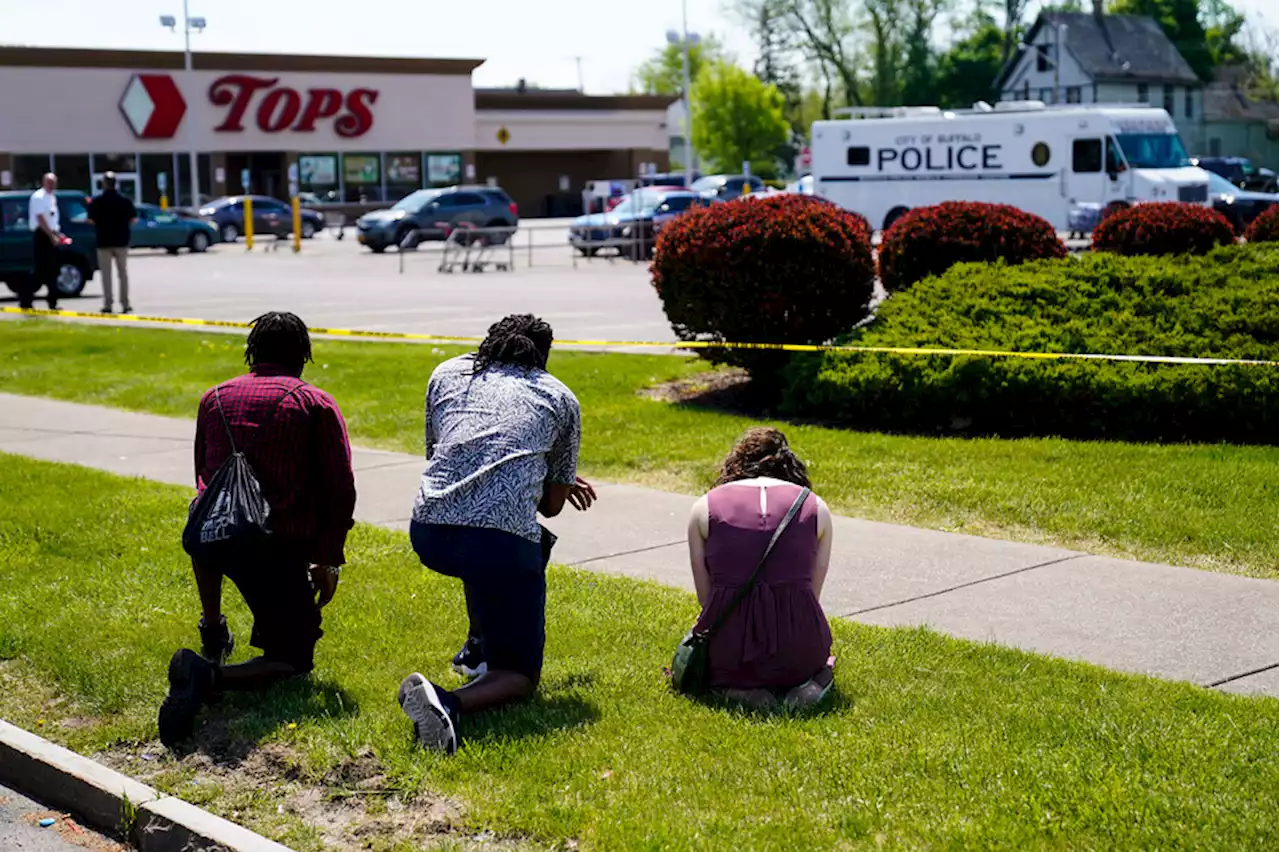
(737, 118)
(777, 63)
(663, 73)
(1180, 20)
(967, 72)
(919, 60)
(828, 38)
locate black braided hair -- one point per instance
(278, 337)
(521, 340)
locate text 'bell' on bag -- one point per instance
(691, 665)
(231, 515)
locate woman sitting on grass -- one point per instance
(776, 645)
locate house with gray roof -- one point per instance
(1082, 57)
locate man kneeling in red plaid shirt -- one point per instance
(295, 439)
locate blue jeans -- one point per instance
(506, 580)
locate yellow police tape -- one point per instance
(653, 344)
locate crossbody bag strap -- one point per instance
(217, 402)
(746, 587)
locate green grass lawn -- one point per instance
(1205, 506)
(930, 742)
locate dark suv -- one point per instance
(271, 217)
(78, 261)
(1240, 171)
(432, 213)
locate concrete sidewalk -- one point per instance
(1179, 623)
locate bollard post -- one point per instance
(297, 225)
(248, 223)
(530, 248)
(164, 202)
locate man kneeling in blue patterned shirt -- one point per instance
(502, 446)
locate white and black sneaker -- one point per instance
(433, 725)
(469, 662)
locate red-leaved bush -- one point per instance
(930, 240)
(1163, 227)
(1263, 229)
(777, 269)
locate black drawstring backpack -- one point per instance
(231, 516)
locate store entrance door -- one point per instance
(266, 174)
(127, 184)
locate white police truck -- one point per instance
(1050, 161)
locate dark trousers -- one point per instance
(44, 272)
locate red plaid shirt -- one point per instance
(302, 459)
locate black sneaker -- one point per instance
(190, 685)
(216, 642)
(469, 662)
(106, 309)
(434, 726)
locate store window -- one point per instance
(153, 166)
(1073, 94)
(444, 169)
(180, 194)
(361, 177)
(73, 172)
(118, 163)
(1168, 100)
(1143, 96)
(1190, 103)
(318, 175)
(404, 174)
(29, 169)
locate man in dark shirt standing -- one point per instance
(295, 439)
(113, 216)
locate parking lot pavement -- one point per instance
(339, 284)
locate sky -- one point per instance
(542, 41)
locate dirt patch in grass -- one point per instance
(351, 806)
(722, 390)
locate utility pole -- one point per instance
(684, 38)
(188, 24)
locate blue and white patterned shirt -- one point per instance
(493, 441)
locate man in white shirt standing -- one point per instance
(46, 239)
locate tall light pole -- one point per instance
(188, 24)
(685, 39)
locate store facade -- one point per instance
(346, 129)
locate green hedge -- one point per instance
(1220, 305)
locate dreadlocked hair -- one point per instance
(763, 452)
(520, 340)
(278, 337)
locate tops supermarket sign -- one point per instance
(153, 106)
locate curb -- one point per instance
(109, 801)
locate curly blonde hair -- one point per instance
(763, 451)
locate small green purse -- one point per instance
(691, 665)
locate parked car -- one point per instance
(726, 187)
(1239, 171)
(803, 186)
(631, 226)
(667, 179)
(433, 213)
(1240, 206)
(271, 217)
(79, 260)
(171, 230)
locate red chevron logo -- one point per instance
(153, 106)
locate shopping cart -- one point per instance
(1082, 218)
(467, 249)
